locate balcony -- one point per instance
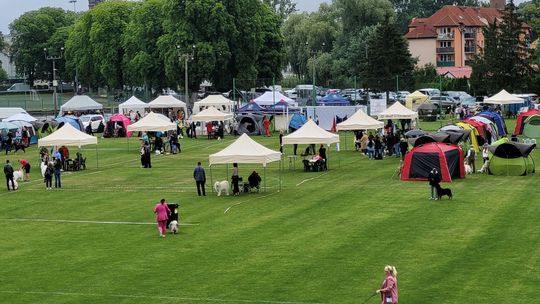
(445, 50)
(445, 36)
(470, 49)
(445, 63)
(470, 35)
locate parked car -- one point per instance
(94, 119)
(291, 93)
(445, 101)
(353, 94)
(430, 92)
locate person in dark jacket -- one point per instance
(403, 147)
(8, 172)
(434, 179)
(200, 179)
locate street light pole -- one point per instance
(76, 88)
(187, 57)
(55, 83)
(314, 93)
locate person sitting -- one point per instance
(254, 181)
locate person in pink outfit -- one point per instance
(162, 212)
(389, 289)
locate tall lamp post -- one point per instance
(55, 83)
(314, 92)
(76, 89)
(187, 57)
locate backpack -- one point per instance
(49, 171)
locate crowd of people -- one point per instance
(391, 142)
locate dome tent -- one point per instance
(531, 126)
(446, 158)
(521, 120)
(511, 159)
(249, 123)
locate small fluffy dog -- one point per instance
(468, 169)
(443, 191)
(173, 227)
(485, 167)
(18, 175)
(221, 187)
(43, 167)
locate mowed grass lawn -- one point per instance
(324, 238)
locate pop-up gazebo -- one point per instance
(503, 98)
(132, 104)
(168, 102)
(80, 103)
(397, 111)
(152, 122)
(212, 114)
(311, 133)
(67, 135)
(245, 150)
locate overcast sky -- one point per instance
(11, 9)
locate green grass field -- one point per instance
(324, 238)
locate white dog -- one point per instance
(14, 183)
(468, 169)
(221, 187)
(18, 175)
(485, 167)
(173, 226)
(43, 167)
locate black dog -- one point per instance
(443, 191)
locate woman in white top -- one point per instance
(485, 153)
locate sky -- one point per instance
(12, 9)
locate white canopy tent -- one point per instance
(80, 103)
(211, 114)
(67, 135)
(168, 102)
(132, 104)
(218, 101)
(504, 98)
(311, 133)
(397, 111)
(272, 97)
(245, 150)
(360, 121)
(152, 122)
(20, 117)
(7, 112)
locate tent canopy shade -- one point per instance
(397, 111)
(270, 98)
(311, 133)
(152, 122)
(211, 114)
(67, 135)
(245, 150)
(22, 117)
(503, 97)
(7, 112)
(133, 103)
(218, 101)
(166, 102)
(80, 103)
(360, 121)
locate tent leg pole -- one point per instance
(280, 169)
(264, 179)
(345, 140)
(211, 180)
(127, 139)
(97, 158)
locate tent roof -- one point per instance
(245, 150)
(512, 149)
(152, 122)
(360, 121)
(67, 135)
(8, 125)
(503, 97)
(267, 99)
(211, 114)
(7, 112)
(417, 94)
(251, 107)
(311, 133)
(81, 103)
(166, 101)
(214, 100)
(532, 117)
(21, 116)
(133, 102)
(397, 111)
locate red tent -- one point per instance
(446, 158)
(521, 120)
(124, 119)
(480, 126)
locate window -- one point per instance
(446, 58)
(445, 44)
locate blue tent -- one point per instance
(333, 100)
(297, 121)
(72, 120)
(499, 121)
(280, 107)
(251, 107)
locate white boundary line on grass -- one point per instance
(310, 179)
(86, 222)
(239, 203)
(80, 294)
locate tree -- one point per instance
(282, 7)
(3, 74)
(506, 61)
(32, 32)
(530, 12)
(388, 57)
(357, 14)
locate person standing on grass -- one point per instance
(25, 165)
(49, 171)
(389, 288)
(235, 180)
(57, 173)
(8, 172)
(200, 179)
(471, 158)
(162, 212)
(485, 153)
(434, 179)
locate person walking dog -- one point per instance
(162, 212)
(389, 288)
(434, 179)
(8, 172)
(200, 178)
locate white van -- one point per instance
(430, 92)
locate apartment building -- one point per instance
(452, 36)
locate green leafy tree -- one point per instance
(388, 57)
(530, 12)
(356, 14)
(282, 7)
(271, 56)
(32, 32)
(3, 74)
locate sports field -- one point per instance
(324, 238)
